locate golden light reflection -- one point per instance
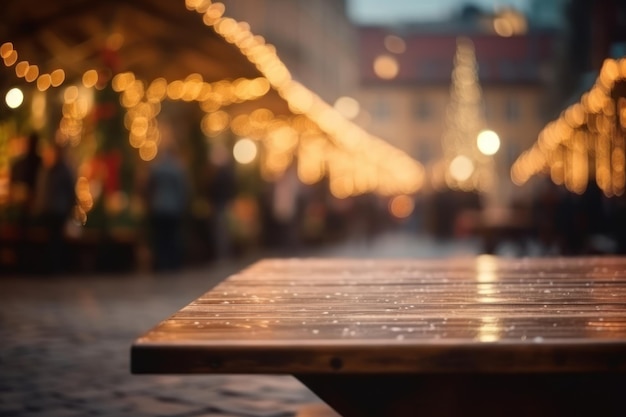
(486, 275)
(486, 267)
(489, 330)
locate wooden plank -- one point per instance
(482, 314)
(317, 410)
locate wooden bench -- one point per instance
(449, 337)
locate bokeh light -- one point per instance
(488, 142)
(348, 107)
(461, 168)
(245, 151)
(401, 206)
(386, 67)
(14, 98)
(395, 44)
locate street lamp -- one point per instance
(461, 168)
(14, 98)
(488, 142)
(245, 151)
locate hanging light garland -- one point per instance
(587, 140)
(323, 141)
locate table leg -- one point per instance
(485, 395)
(316, 410)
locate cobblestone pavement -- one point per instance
(64, 343)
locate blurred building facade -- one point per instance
(592, 31)
(408, 107)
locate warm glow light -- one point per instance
(585, 139)
(386, 67)
(44, 82)
(14, 98)
(395, 44)
(21, 68)
(70, 94)
(488, 142)
(10, 59)
(503, 27)
(401, 206)
(363, 164)
(90, 78)
(461, 168)
(148, 151)
(115, 41)
(6, 49)
(245, 151)
(348, 107)
(31, 73)
(215, 123)
(57, 77)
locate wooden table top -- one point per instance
(483, 314)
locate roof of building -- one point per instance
(430, 49)
(154, 39)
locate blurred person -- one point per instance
(23, 176)
(222, 191)
(287, 210)
(55, 199)
(167, 201)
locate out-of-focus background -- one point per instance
(195, 131)
(150, 148)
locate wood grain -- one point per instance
(482, 314)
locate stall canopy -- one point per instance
(150, 38)
(151, 51)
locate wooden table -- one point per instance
(478, 337)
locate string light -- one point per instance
(366, 163)
(586, 134)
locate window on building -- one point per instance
(483, 69)
(427, 70)
(507, 69)
(512, 109)
(423, 151)
(381, 110)
(423, 109)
